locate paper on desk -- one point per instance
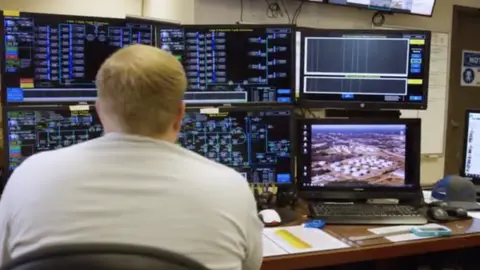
(474, 214)
(404, 236)
(298, 239)
(271, 249)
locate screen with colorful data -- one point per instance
(363, 68)
(33, 130)
(55, 58)
(255, 143)
(234, 64)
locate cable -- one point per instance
(297, 13)
(378, 19)
(241, 10)
(286, 10)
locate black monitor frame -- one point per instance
(387, 11)
(292, 133)
(49, 107)
(412, 165)
(475, 180)
(362, 105)
(249, 26)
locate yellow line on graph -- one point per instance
(292, 239)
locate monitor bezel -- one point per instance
(383, 10)
(304, 101)
(292, 131)
(119, 20)
(462, 173)
(59, 107)
(412, 162)
(293, 28)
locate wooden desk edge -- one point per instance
(377, 252)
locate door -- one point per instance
(465, 29)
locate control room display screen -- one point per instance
(357, 155)
(33, 131)
(55, 58)
(256, 144)
(238, 64)
(388, 69)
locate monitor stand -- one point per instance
(352, 114)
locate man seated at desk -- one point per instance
(134, 185)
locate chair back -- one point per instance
(102, 257)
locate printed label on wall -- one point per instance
(470, 69)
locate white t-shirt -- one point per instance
(132, 190)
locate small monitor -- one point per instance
(359, 154)
(32, 130)
(256, 143)
(413, 7)
(234, 64)
(471, 145)
(55, 58)
(363, 69)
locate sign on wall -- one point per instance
(470, 68)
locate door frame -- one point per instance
(454, 81)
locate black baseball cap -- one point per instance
(456, 191)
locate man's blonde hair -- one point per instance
(141, 89)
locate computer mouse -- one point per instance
(270, 217)
(438, 214)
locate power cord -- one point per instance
(241, 10)
(298, 11)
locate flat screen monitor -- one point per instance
(356, 155)
(363, 69)
(55, 58)
(471, 145)
(413, 7)
(256, 143)
(36, 129)
(234, 64)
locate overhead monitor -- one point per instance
(363, 69)
(55, 58)
(256, 143)
(36, 129)
(413, 7)
(234, 64)
(471, 145)
(357, 155)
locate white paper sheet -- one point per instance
(318, 240)
(474, 214)
(433, 126)
(271, 249)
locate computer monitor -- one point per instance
(355, 155)
(471, 145)
(256, 143)
(363, 69)
(54, 58)
(413, 7)
(30, 130)
(234, 64)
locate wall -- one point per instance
(323, 16)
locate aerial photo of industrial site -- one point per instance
(358, 155)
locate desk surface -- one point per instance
(466, 234)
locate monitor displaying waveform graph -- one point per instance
(255, 143)
(33, 130)
(363, 68)
(55, 58)
(343, 153)
(234, 63)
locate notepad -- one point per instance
(401, 237)
(298, 239)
